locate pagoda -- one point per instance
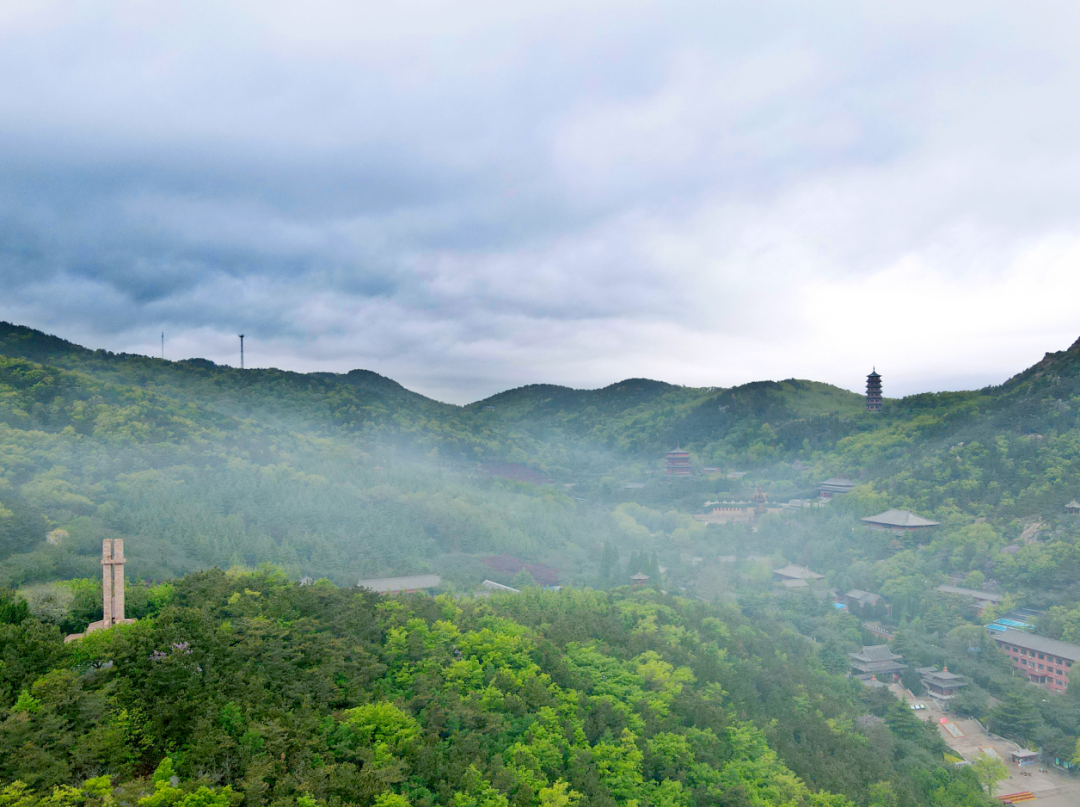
(873, 392)
(678, 463)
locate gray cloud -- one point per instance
(471, 198)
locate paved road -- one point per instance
(1052, 788)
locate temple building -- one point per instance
(873, 392)
(1073, 508)
(678, 463)
(942, 686)
(876, 660)
(898, 521)
(835, 487)
(112, 589)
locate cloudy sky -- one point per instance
(469, 197)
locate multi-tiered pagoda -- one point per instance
(678, 463)
(873, 392)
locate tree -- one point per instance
(1016, 717)
(882, 794)
(989, 771)
(911, 680)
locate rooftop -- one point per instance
(970, 592)
(411, 583)
(794, 572)
(838, 482)
(1073, 504)
(1040, 644)
(899, 518)
(491, 585)
(859, 594)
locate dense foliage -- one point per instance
(249, 687)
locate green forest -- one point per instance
(681, 692)
(248, 688)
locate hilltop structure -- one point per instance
(112, 589)
(678, 463)
(1073, 508)
(873, 392)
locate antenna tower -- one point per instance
(241, 351)
(163, 344)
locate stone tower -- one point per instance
(112, 588)
(112, 582)
(873, 392)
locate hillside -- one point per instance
(250, 689)
(342, 476)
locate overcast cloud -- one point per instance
(471, 197)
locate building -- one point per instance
(1041, 660)
(678, 463)
(836, 486)
(1073, 508)
(112, 589)
(876, 660)
(726, 513)
(1024, 756)
(793, 572)
(401, 585)
(942, 686)
(873, 392)
(898, 521)
(863, 598)
(639, 580)
(983, 599)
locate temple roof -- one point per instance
(899, 518)
(1073, 503)
(875, 652)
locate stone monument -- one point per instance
(112, 588)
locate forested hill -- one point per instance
(345, 475)
(249, 689)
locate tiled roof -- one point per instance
(1040, 644)
(875, 652)
(899, 518)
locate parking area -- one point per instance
(1049, 786)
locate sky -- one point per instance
(469, 197)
